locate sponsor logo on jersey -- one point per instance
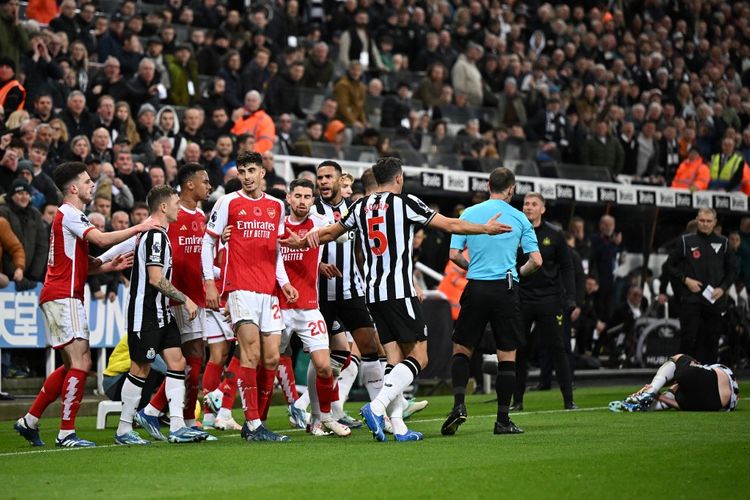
(183, 228)
(716, 247)
(242, 212)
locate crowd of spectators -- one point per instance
(654, 90)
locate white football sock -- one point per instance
(130, 396)
(372, 376)
(224, 414)
(346, 379)
(396, 414)
(31, 421)
(175, 390)
(664, 374)
(303, 401)
(151, 410)
(399, 379)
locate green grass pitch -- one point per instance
(590, 453)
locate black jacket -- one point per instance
(706, 258)
(555, 281)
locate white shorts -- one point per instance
(66, 321)
(309, 325)
(258, 308)
(189, 329)
(217, 329)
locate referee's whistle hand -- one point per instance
(495, 227)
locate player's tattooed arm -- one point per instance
(165, 287)
(458, 258)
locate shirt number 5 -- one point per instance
(380, 241)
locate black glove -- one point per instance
(25, 284)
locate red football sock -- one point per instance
(248, 387)
(192, 378)
(73, 385)
(229, 384)
(285, 376)
(323, 387)
(159, 399)
(211, 380)
(347, 362)
(266, 379)
(51, 390)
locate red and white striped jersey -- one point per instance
(68, 260)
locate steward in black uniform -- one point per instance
(700, 260)
(546, 296)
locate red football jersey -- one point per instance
(301, 266)
(68, 259)
(250, 259)
(186, 237)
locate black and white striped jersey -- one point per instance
(148, 308)
(342, 256)
(387, 222)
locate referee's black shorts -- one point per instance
(346, 315)
(146, 344)
(489, 301)
(399, 320)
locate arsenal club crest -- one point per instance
(271, 212)
(302, 233)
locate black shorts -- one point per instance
(489, 301)
(346, 315)
(399, 320)
(698, 386)
(146, 344)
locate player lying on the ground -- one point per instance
(696, 387)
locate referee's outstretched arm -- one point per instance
(460, 226)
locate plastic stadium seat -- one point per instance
(324, 150)
(104, 409)
(360, 153)
(447, 160)
(411, 157)
(527, 168)
(310, 99)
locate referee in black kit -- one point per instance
(545, 297)
(491, 295)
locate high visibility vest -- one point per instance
(7, 88)
(721, 175)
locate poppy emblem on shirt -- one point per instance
(696, 254)
(271, 212)
(257, 212)
(195, 226)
